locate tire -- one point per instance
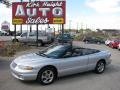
(40, 43)
(15, 40)
(46, 76)
(112, 46)
(107, 44)
(98, 43)
(52, 40)
(86, 42)
(100, 67)
(118, 49)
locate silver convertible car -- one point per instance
(45, 66)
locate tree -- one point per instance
(6, 2)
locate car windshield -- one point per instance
(24, 35)
(65, 36)
(55, 52)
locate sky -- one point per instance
(93, 14)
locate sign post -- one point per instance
(15, 33)
(62, 32)
(37, 35)
(21, 24)
(30, 25)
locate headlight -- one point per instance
(25, 67)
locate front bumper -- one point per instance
(23, 74)
(108, 61)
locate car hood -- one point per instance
(30, 59)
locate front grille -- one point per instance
(14, 64)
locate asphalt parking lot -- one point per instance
(109, 80)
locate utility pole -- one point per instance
(86, 27)
(70, 26)
(82, 27)
(77, 27)
(30, 25)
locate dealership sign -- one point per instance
(38, 12)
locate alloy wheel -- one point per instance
(47, 76)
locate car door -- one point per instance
(93, 58)
(73, 64)
(23, 38)
(32, 37)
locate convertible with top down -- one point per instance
(45, 66)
